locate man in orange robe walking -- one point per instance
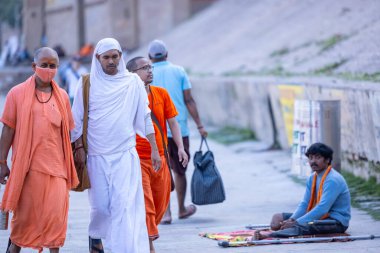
(37, 119)
(156, 183)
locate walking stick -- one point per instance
(315, 222)
(256, 226)
(226, 244)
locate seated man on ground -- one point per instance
(325, 208)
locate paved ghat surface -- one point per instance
(257, 185)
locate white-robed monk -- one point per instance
(118, 109)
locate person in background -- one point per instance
(175, 80)
(156, 184)
(73, 72)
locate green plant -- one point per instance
(233, 73)
(329, 68)
(297, 179)
(188, 70)
(331, 42)
(365, 194)
(280, 52)
(285, 50)
(374, 77)
(230, 135)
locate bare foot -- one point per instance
(167, 219)
(258, 236)
(190, 210)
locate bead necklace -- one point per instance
(44, 102)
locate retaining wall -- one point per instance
(247, 102)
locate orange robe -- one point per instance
(37, 189)
(156, 184)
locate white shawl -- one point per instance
(118, 106)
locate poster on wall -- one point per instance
(305, 132)
(315, 121)
(288, 94)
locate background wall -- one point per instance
(132, 22)
(244, 102)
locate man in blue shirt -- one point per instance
(175, 80)
(325, 207)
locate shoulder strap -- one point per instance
(86, 95)
(154, 118)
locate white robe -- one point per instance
(117, 110)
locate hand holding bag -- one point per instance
(206, 182)
(84, 180)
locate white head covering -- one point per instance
(118, 106)
(107, 89)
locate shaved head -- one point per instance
(132, 63)
(45, 52)
(45, 57)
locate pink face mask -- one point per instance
(45, 74)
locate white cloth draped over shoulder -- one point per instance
(113, 99)
(118, 110)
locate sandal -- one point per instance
(93, 245)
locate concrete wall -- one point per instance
(62, 18)
(154, 18)
(112, 18)
(132, 22)
(244, 102)
(32, 24)
(98, 23)
(241, 103)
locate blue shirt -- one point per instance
(335, 200)
(175, 80)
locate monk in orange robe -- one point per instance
(37, 119)
(156, 183)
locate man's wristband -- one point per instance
(200, 127)
(3, 162)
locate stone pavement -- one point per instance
(257, 185)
